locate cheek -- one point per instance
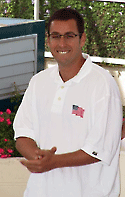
(77, 48)
(52, 45)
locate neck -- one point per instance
(68, 72)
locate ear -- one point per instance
(48, 41)
(83, 39)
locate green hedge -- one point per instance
(104, 22)
(104, 26)
(7, 142)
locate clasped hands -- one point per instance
(43, 162)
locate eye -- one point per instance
(68, 36)
(54, 36)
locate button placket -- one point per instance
(59, 99)
(62, 87)
(59, 93)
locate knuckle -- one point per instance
(39, 168)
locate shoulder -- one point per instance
(103, 82)
(102, 75)
(44, 73)
(99, 71)
(96, 72)
(43, 76)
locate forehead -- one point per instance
(63, 26)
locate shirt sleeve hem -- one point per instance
(24, 133)
(102, 155)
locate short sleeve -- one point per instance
(105, 133)
(25, 122)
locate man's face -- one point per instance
(66, 51)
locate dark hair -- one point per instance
(67, 14)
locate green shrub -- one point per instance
(104, 22)
(7, 143)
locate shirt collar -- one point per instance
(85, 69)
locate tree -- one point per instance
(104, 21)
(16, 9)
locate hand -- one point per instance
(44, 163)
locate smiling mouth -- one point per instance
(62, 52)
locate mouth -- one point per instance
(62, 52)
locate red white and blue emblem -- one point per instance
(78, 111)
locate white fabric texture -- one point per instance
(45, 115)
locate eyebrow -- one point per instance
(69, 32)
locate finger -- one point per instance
(42, 153)
(53, 149)
(23, 162)
(33, 166)
(28, 163)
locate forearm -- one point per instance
(49, 160)
(27, 147)
(77, 158)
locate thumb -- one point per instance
(53, 150)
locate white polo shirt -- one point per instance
(82, 113)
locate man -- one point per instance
(68, 126)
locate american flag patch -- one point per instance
(78, 111)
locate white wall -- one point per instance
(13, 178)
(18, 63)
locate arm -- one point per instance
(77, 158)
(49, 161)
(27, 147)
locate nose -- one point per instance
(62, 41)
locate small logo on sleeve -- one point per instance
(94, 153)
(78, 111)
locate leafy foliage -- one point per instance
(104, 26)
(104, 21)
(16, 9)
(124, 112)
(7, 143)
(16, 97)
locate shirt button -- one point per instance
(59, 99)
(62, 87)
